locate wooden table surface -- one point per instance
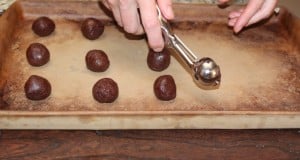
(151, 144)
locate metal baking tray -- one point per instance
(260, 67)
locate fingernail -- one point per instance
(120, 24)
(237, 29)
(170, 12)
(220, 2)
(230, 23)
(158, 49)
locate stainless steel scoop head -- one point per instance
(205, 70)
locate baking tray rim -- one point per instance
(140, 113)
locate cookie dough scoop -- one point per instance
(206, 72)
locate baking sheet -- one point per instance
(260, 72)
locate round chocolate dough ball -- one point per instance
(106, 90)
(37, 54)
(37, 88)
(97, 61)
(43, 26)
(165, 88)
(158, 61)
(92, 28)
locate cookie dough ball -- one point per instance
(37, 54)
(97, 61)
(158, 61)
(43, 26)
(37, 88)
(106, 90)
(165, 88)
(92, 28)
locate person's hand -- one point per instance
(255, 11)
(127, 16)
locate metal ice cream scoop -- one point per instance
(205, 71)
